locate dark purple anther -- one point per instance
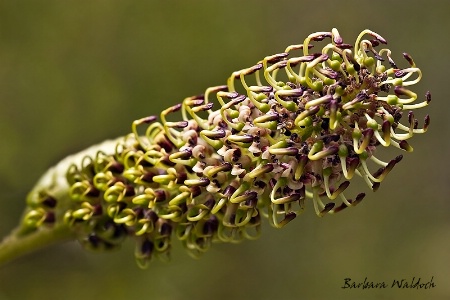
(427, 122)
(428, 96)
(215, 135)
(116, 168)
(129, 190)
(405, 146)
(180, 124)
(321, 37)
(146, 248)
(160, 195)
(399, 73)
(149, 119)
(49, 201)
(49, 217)
(175, 108)
(392, 63)
(410, 117)
(165, 229)
(408, 58)
(329, 206)
(276, 57)
(378, 37)
(386, 128)
(398, 158)
(338, 40)
(194, 101)
(359, 198)
(344, 46)
(149, 214)
(253, 69)
(374, 42)
(229, 190)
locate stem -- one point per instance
(16, 245)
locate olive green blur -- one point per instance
(74, 73)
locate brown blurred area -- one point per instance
(74, 73)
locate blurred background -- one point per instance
(74, 73)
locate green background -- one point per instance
(73, 73)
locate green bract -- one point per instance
(290, 130)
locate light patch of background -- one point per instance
(73, 73)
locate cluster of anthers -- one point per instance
(295, 130)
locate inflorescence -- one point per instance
(270, 147)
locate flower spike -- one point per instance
(269, 151)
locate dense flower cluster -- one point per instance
(292, 129)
